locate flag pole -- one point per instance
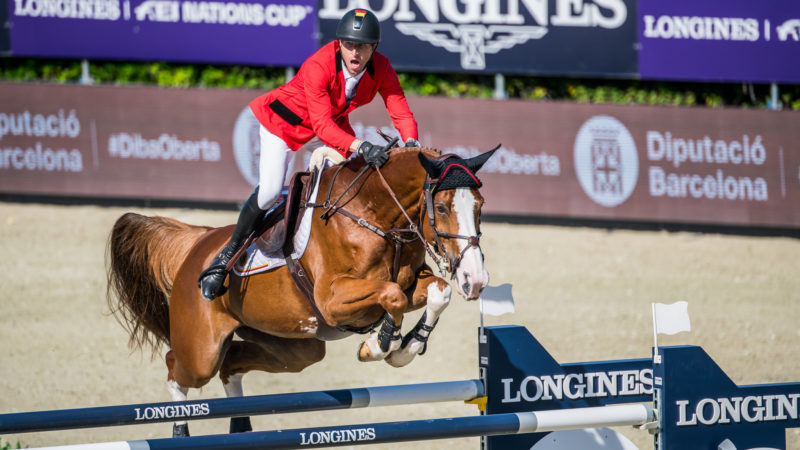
(482, 337)
(656, 356)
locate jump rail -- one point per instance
(386, 432)
(529, 397)
(105, 416)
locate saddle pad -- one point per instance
(256, 260)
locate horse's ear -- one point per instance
(475, 163)
(431, 166)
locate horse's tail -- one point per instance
(143, 255)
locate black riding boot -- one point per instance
(212, 280)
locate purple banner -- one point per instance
(730, 40)
(259, 32)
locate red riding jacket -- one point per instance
(313, 103)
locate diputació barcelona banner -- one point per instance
(730, 40)
(564, 160)
(124, 142)
(622, 163)
(547, 37)
(259, 32)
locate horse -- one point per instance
(365, 258)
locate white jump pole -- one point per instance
(595, 417)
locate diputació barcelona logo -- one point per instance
(606, 161)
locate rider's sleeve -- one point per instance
(317, 83)
(396, 104)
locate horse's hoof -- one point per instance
(240, 425)
(181, 430)
(399, 358)
(364, 354)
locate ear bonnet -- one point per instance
(453, 172)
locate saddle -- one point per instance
(279, 225)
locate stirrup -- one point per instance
(214, 276)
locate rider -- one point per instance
(341, 76)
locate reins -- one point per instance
(395, 234)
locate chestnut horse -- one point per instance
(413, 204)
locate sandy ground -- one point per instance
(585, 294)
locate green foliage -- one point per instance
(7, 445)
(638, 92)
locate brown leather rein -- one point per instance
(395, 234)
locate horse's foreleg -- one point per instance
(434, 292)
(352, 300)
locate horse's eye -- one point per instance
(441, 209)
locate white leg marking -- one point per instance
(178, 394)
(233, 388)
(438, 299)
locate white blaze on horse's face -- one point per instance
(471, 274)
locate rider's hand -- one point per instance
(411, 142)
(373, 154)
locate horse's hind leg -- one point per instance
(433, 292)
(233, 388)
(200, 333)
(178, 394)
(261, 351)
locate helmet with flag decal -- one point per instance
(359, 25)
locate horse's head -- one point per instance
(453, 206)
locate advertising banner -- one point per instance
(547, 37)
(611, 162)
(731, 40)
(127, 142)
(258, 32)
(563, 160)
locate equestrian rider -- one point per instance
(341, 76)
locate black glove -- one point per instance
(373, 154)
(411, 142)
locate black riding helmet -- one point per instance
(359, 25)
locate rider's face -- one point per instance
(356, 55)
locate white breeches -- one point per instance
(272, 168)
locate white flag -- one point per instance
(671, 319)
(497, 300)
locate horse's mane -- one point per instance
(428, 151)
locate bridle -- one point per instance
(472, 241)
(437, 251)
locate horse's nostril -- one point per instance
(466, 286)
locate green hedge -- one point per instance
(450, 85)
(8, 446)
